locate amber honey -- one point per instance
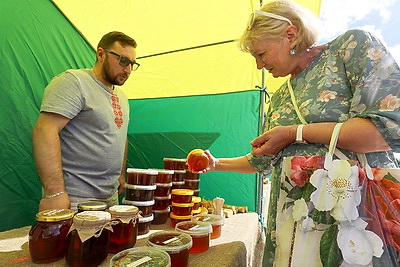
(141, 176)
(160, 216)
(145, 207)
(196, 202)
(176, 219)
(163, 190)
(182, 195)
(192, 184)
(174, 164)
(164, 176)
(200, 233)
(182, 209)
(162, 203)
(139, 192)
(144, 224)
(216, 222)
(176, 244)
(48, 237)
(178, 175)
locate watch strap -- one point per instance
(299, 135)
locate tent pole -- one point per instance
(260, 130)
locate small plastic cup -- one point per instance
(200, 233)
(196, 202)
(216, 222)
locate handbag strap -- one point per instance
(332, 147)
(296, 108)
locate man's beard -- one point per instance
(107, 75)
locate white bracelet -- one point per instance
(299, 135)
(53, 196)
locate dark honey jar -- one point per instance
(178, 185)
(164, 176)
(192, 184)
(125, 227)
(89, 238)
(144, 224)
(174, 164)
(92, 205)
(145, 207)
(182, 209)
(48, 237)
(182, 195)
(160, 216)
(139, 192)
(176, 218)
(200, 233)
(141, 176)
(178, 176)
(176, 244)
(161, 203)
(163, 190)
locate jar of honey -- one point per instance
(145, 207)
(192, 184)
(174, 164)
(178, 185)
(197, 160)
(161, 203)
(141, 256)
(216, 221)
(125, 227)
(182, 209)
(160, 216)
(164, 176)
(176, 244)
(92, 205)
(200, 233)
(178, 176)
(182, 195)
(89, 238)
(163, 190)
(144, 224)
(141, 176)
(48, 237)
(176, 218)
(139, 192)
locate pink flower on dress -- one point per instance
(389, 103)
(327, 95)
(303, 168)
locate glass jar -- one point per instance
(48, 237)
(89, 238)
(216, 221)
(200, 233)
(197, 160)
(141, 256)
(141, 176)
(92, 205)
(139, 192)
(125, 227)
(176, 244)
(145, 207)
(182, 195)
(174, 164)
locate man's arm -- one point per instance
(122, 177)
(47, 155)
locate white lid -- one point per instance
(163, 197)
(143, 171)
(165, 171)
(146, 219)
(141, 187)
(138, 203)
(164, 184)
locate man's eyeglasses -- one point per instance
(124, 61)
(267, 14)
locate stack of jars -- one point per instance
(139, 192)
(182, 205)
(178, 179)
(162, 196)
(191, 180)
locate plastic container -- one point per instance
(178, 185)
(176, 244)
(197, 160)
(145, 207)
(192, 184)
(191, 176)
(139, 192)
(174, 164)
(182, 195)
(162, 203)
(92, 205)
(178, 175)
(164, 176)
(141, 176)
(141, 256)
(197, 211)
(182, 209)
(196, 192)
(48, 237)
(176, 219)
(89, 247)
(125, 230)
(200, 233)
(160, 216)
(163, 190)
(216, 222)
(196, 202)
(144, 224)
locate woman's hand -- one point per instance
(274, 140)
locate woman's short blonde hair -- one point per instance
(264, 27)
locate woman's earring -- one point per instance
(293, 51)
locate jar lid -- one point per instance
(180, 171)
(163, 197)
(146, 219)
(91, 218)
(196, 211)
(140, 187)
(142, 171)
(92, 205)
(186, 192)
(182, 205)
(170, 241)
(124, 210)
(178, 217)
(178, 183)
(174, 159)
(194, 228)
(138, 203)
(164, 184)
(196, 199)
(136, 256)
(192, 180)
(54, 215)
(164, 171)
(161, 211)
(214, 219)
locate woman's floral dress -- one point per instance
(353, 76)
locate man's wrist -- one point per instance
(53, 196)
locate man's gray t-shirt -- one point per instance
(92, 144)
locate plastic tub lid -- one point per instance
(164, 184)
(163, 197)
(161, 211)
(170, 241)
(194, 228)
(178, 183)
(182, 205)
(178, 217)
(146, 219)
(138, 203)
(142, 171)
(165, 171)
(180, 171)
(196, 199)
(186, 192)
(140, 187)
(174, 159)
(136, 256)
(210, 218)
